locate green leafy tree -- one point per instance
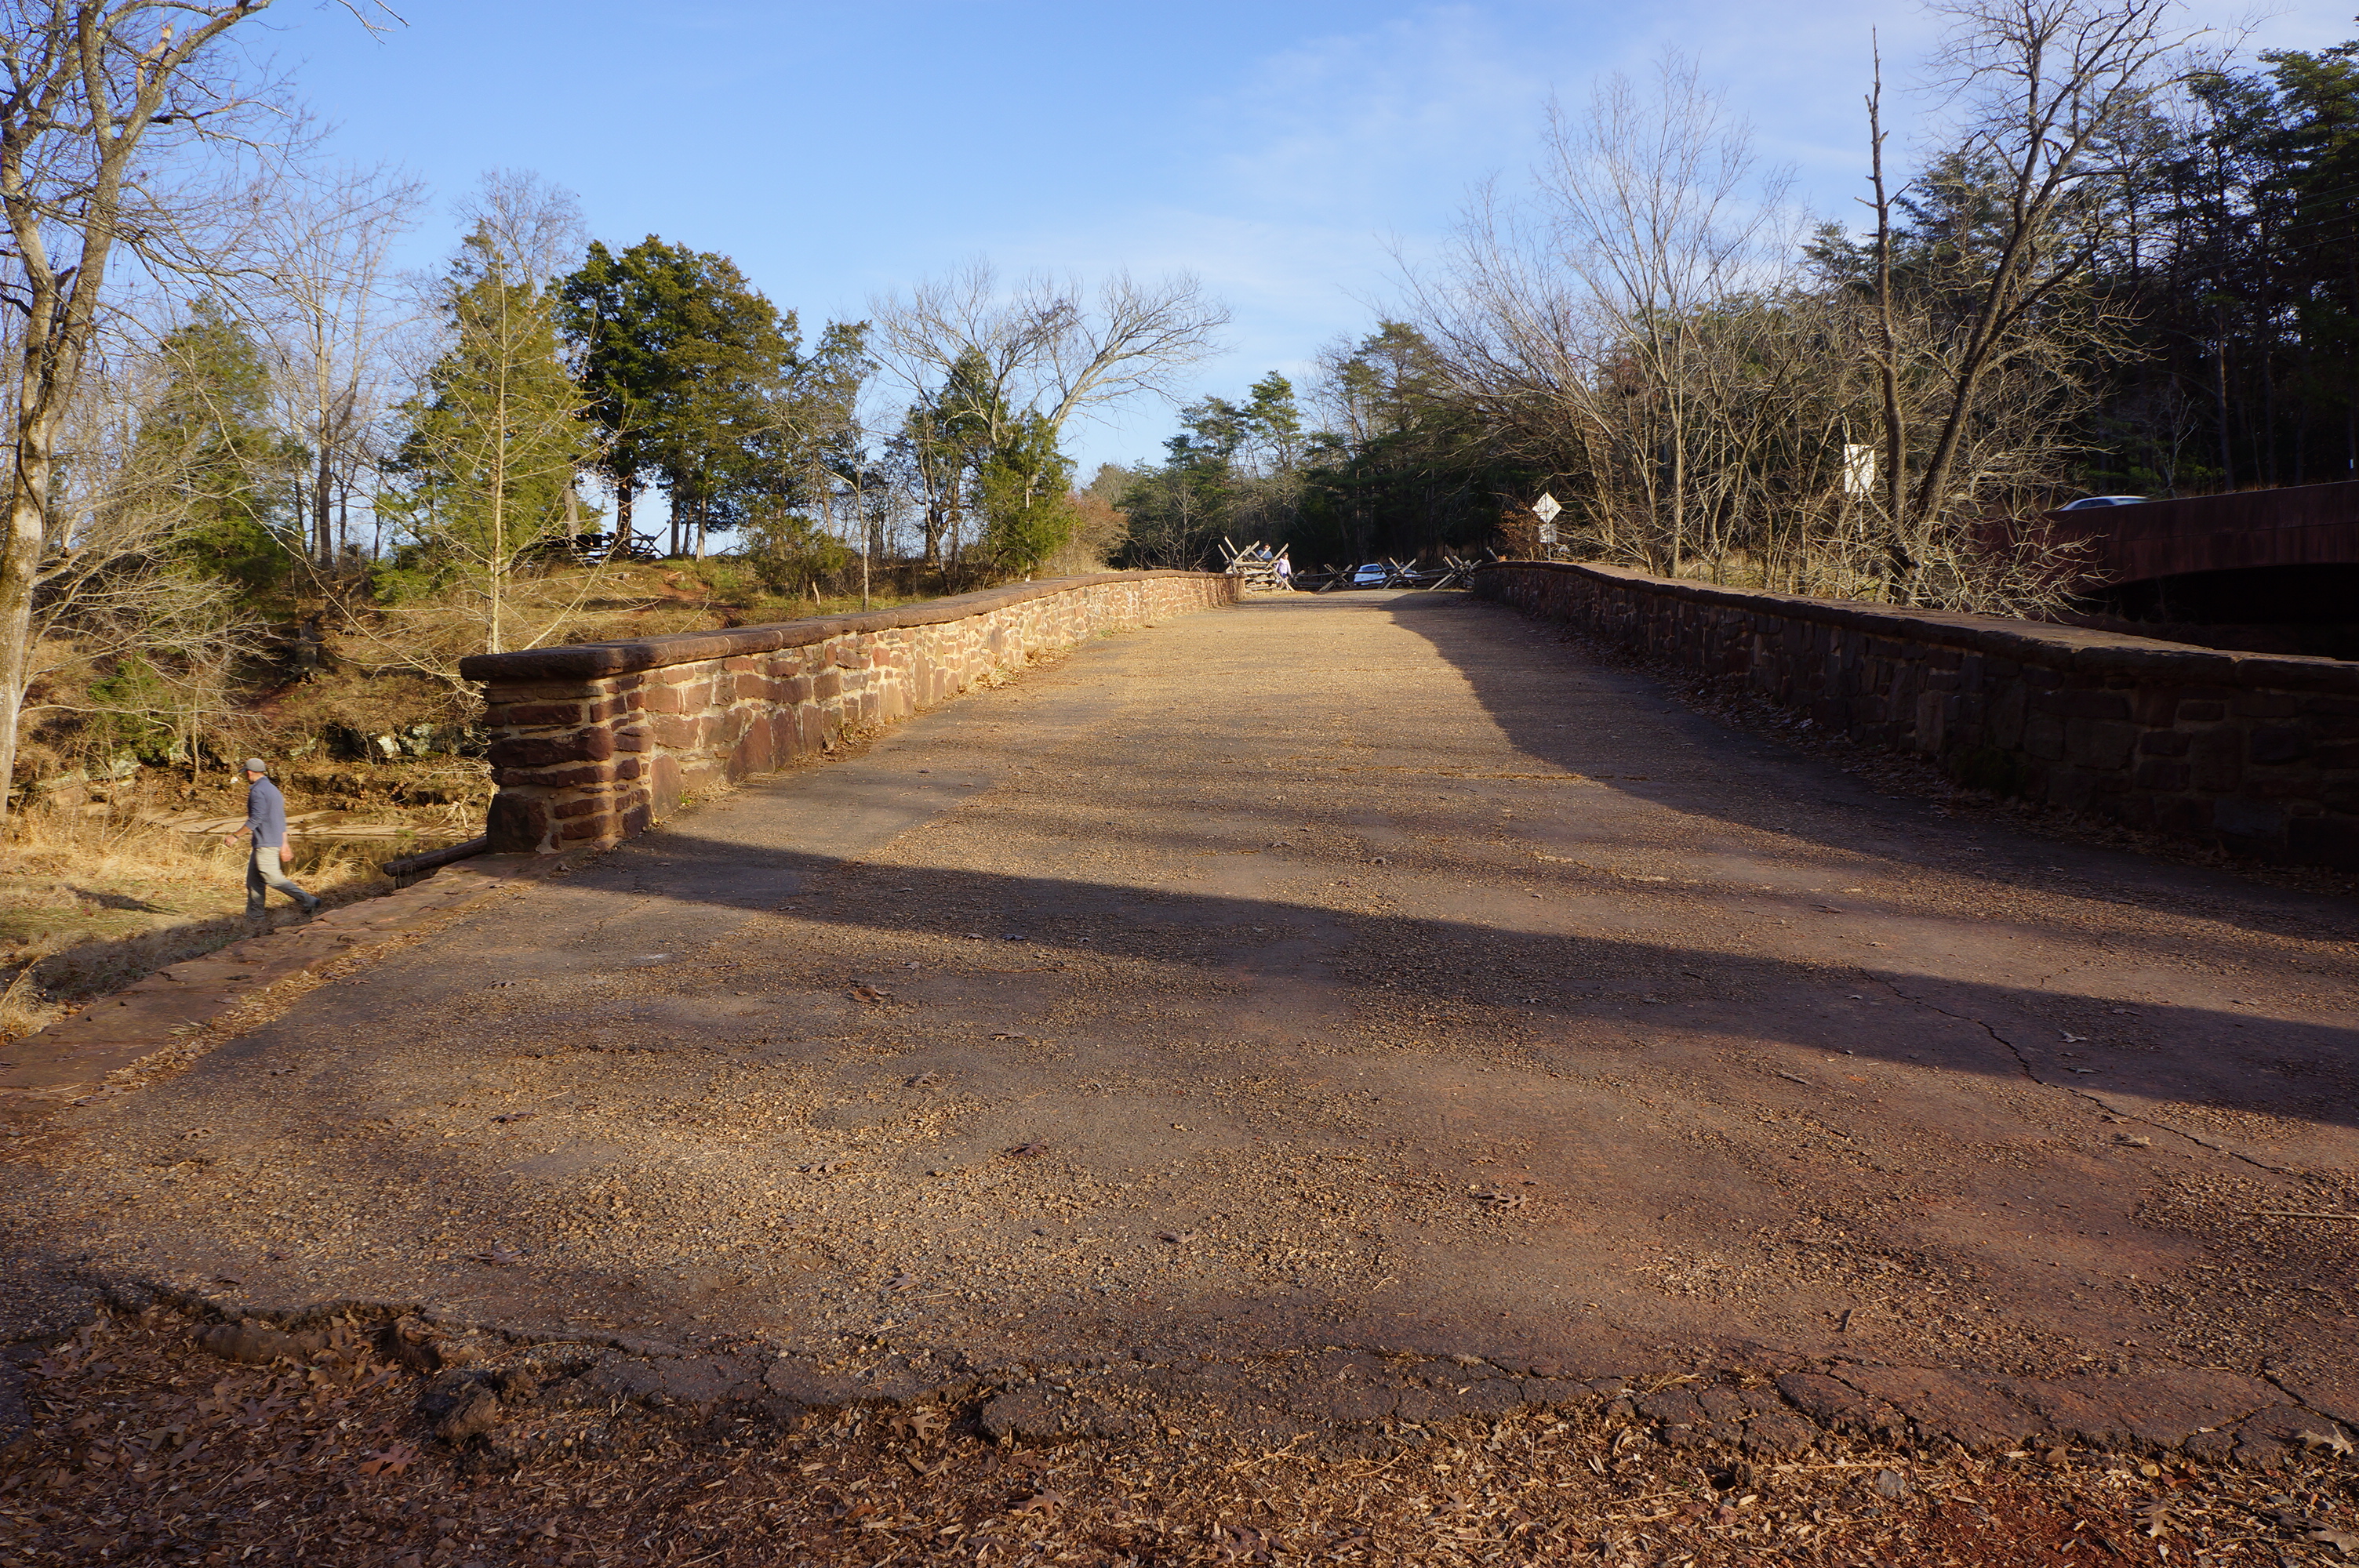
(685, 366)
(180, 543)
(945, 437)
(612, 317)
(789, 551)
(208, 438)
(2246, 287)
(1025, 486)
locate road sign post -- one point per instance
(1545, 509)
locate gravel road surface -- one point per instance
(1366, 970)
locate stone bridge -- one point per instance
(2299, 527)
(1380, 980)
(2264, 569)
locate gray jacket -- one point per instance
(266, 815)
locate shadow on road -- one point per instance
(2206, 1057)
(1467, 632)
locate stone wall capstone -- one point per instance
(595, 741)
(2255, 752)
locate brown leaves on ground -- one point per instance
(157, 1453)
(391, 1460)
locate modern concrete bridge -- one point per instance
(1375, 971)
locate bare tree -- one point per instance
(2048, 87)
(115, 588)
(1044, 347)
(533, 223)
(1004, 336)
(95, 97)
(1661, 212)
(1591, 323)
(1139, 338)
(1638, 331)
(315, 273)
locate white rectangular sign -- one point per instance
(1859, 470)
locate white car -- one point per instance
(1373, 575)
(2090, 502)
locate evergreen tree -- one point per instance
(490, 445)
(208, 443)
(611, 317)
(1025, 486)
(686, 365)
(2243, 275)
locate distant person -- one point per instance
(1284, 572)
(265, 818)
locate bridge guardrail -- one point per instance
(2255, 752)
(595, 741)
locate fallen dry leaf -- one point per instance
(391, 1460)
(926, 1424)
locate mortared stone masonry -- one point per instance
(2255, 752)
(595, 741)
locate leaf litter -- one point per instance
(141, 1445)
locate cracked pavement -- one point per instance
(1370, 971)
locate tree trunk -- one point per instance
(20, 560)
(1897, 553)
(61, 305)
(322, 521)
(2220, 396)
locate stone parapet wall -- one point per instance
(2256, 753)
(595, 741)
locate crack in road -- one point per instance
(2023, 1065)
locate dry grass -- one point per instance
(144, 1449)
(97, 901)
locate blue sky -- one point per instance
(1275, 148)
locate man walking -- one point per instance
(265, 818)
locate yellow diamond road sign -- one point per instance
(1547, 508)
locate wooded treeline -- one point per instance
(2118, 266)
